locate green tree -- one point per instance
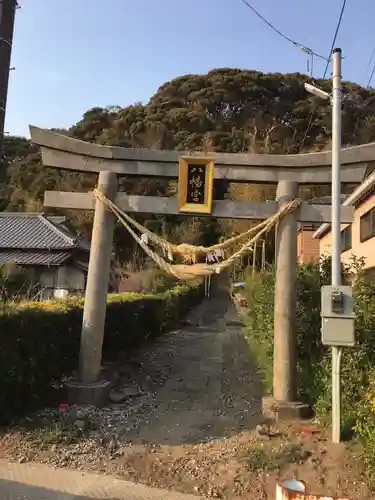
(228, 110)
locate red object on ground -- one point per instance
(308, 430)
(63, 406)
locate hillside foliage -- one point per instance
(228, 110)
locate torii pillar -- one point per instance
(94, 310)
(285, 385)
(90, 388)
(283, 403)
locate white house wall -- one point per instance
(70, 278)
(47, 280)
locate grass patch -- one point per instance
(261, 459)
(54, 434)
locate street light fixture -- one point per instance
(311, 89)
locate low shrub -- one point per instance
(259, 326)
(16, 283)
(259, 321)
(358, 363)
(314, 359)
(365, 422)
(40, 340)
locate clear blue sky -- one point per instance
(72, 55)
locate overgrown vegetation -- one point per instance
(228, 109)
(314, 359)
(265, 460)
(54, 433)
(40, 340)
(15, 283)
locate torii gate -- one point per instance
(287, 171)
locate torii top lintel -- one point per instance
(65, 152)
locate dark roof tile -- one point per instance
(36, 258)
(37, 232)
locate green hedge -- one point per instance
(40, 340)
(259, 326)
(314, 359)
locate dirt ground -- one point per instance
(185, 418)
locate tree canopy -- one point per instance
(228, 110)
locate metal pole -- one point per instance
(336, 229)
(7, 15)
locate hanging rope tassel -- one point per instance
(188, 252)
(185, 272)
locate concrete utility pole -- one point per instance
(285, 385)
(336, 229)
(337, 310)
(7, 15)
(97, 283)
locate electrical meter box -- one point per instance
(337, 315)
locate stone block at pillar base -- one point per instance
(95, 394)
(285, 410)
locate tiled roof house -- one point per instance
(58, 257)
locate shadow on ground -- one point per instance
(189, 386)
(13, 490)
(199, 380)
(38, 482)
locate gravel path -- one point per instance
(191, 402)
(199, 381)
(189, 386)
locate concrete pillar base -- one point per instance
(95, 394)
(285, 410)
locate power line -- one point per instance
(325, 71)
(287, 38)
(7, 15)
(370, 60)
(335, 36)
(368, 67)
(371, 75)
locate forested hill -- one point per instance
(229, 110)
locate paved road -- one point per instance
(40, 482)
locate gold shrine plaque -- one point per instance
(195, 184)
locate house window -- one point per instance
(367, 225)
(346, 239)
